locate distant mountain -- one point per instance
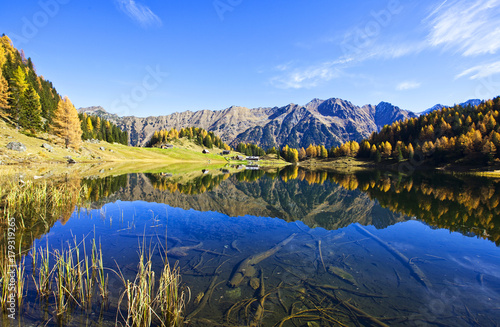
(472, 102)
(328, 122)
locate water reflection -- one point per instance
(466, 204)
(262, 227)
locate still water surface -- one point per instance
(325, 249)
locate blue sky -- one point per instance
(148, 57)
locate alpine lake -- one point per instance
(280, 247)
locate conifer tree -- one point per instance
(18, 86)
(66, 123)
(4, 93)
(324, 152)
(90, 127)
(29, 116)
(302, 153)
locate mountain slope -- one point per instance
(472, 102)
(329, 122)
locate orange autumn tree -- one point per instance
(66, 123)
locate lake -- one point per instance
(288, 247)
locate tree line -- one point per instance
(32, 104)
(29, 101)
(196, 134)
(250, 149)
(94, 127)
(469, 134)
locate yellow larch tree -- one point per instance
(66, 123)
(4, 93)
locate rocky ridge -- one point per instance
(328, 122)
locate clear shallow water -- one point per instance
(404, 273)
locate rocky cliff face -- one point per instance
(328, 122)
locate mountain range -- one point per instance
(328, 122)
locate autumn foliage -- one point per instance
(467, 134)
(197, 135)
(66, 124)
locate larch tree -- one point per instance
(66, 123)
(90, 128)
(18, 87)
(4, 93)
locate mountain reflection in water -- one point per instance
(315, 248)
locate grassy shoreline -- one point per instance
(348, 164)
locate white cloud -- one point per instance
(481, 71)
(464, 27)
(468, 27)
(307, 77)
(407, 85)
(139, 13)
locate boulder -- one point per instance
(102, 148)
(71, 161)
(16, 146)
(47, 147)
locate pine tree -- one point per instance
(66, 123)
(29, 117)
(207, 141)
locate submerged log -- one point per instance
(417, 272)
(247, 267)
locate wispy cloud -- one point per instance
(139, 13)
(481, 71)
(307, 77)
(468, 27)
(407, 85)
(464, 27)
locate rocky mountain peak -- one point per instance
(329, 122)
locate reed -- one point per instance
(170, 300)
(61, 303)
(102, 279)
(88, 282)
(147, 304)
(4, 283)
(140, 294)
(32, 202)
(43, 284)
(20, 270)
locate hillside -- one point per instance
(184, 152)
(466, 136)
(330, 122)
